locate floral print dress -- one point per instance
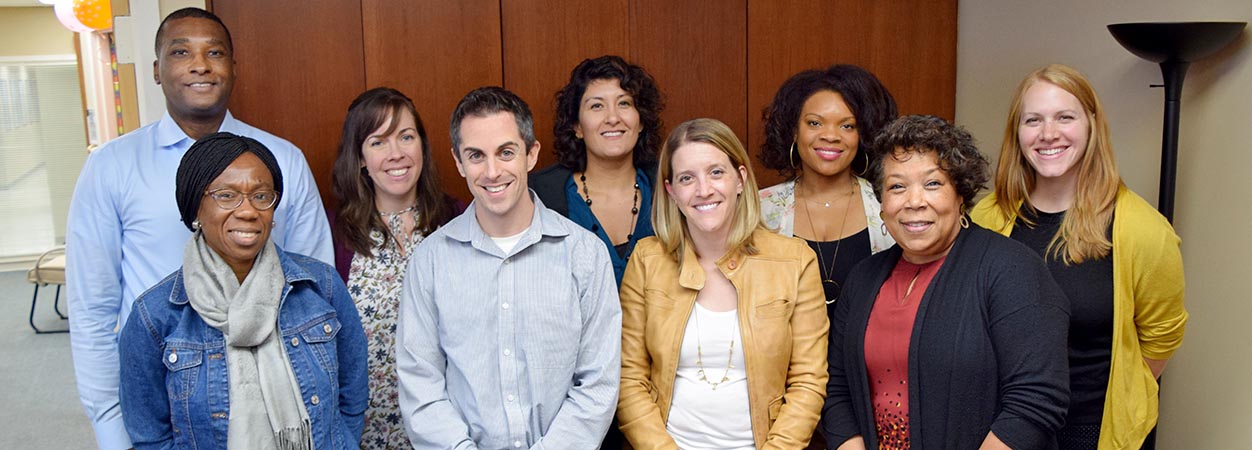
(374, 284)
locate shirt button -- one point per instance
(326, 328)
(173, 357)
(517, 444)
(504, 306)
(507, 352)
(315, 400)
(506, 261)
(509, 398)
(733, 264)
(295, 342)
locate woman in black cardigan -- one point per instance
(956, 337)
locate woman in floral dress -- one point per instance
(389, 199)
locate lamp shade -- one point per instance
(1175, 41)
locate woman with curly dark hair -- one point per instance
(607, 130)
(956, 337)
(389, 199)
(817, 131)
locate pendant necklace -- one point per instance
(828, 272)
(730, 354)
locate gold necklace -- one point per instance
(730, 354)
(909, 291)
(829, 272)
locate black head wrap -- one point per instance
(208, 158)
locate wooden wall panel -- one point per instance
(697, 51)
(545, 39)
(910, 46)
(298, 65)
(435, 52)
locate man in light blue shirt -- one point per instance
(510, 326)
(125, 233)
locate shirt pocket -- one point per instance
(182, 363)
(319, 336)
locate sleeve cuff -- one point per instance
(111, 434)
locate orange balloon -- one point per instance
(95, 14)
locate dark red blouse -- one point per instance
(887, 348)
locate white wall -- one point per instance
(1207, 393)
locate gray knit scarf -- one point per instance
(266, 408)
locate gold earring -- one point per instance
(791, 154)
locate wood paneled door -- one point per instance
(300, 63)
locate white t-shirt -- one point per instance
(508, 242)
(700, 416)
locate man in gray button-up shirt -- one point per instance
(510, 325)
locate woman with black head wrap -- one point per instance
(245, 346)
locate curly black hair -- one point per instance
(871, 104)
(571, 152)
(954, 147)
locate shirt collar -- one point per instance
(543, 223)
(170, 135)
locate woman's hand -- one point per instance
(853, 443)
(1156, 365)
(993, 443)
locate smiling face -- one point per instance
(1053, 132)
(394, 161)
(195, 68)
(494, 161)
(920, 205)
(607, 120)
(706, 186)
(238, 235)
(826, 136)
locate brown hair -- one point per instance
(356, 215)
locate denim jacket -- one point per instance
(174, 384)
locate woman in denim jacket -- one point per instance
(245, 346)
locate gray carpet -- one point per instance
(41, 408)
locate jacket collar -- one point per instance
(691, 275)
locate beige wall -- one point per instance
(33, 31)
(1206, 399)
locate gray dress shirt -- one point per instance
(509, 350)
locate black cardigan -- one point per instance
(987, 352)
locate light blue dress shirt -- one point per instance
(509, 350)
(125, 235)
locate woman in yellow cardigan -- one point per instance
(1057, 191)
(723, 322)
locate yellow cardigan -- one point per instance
(1148, 315)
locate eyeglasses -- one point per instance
(230, 199)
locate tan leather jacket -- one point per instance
(782, 320)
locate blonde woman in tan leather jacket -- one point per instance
(723, 322)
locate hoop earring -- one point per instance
(883, 228)
(964, 218)
(864, 168)
(791, 154)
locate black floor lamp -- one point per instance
(1174, 45)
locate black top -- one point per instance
(1089, 287)
(852, 250)
(987, 350)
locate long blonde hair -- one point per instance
(1083, 234)
(670, 224)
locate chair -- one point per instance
(49, 269)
